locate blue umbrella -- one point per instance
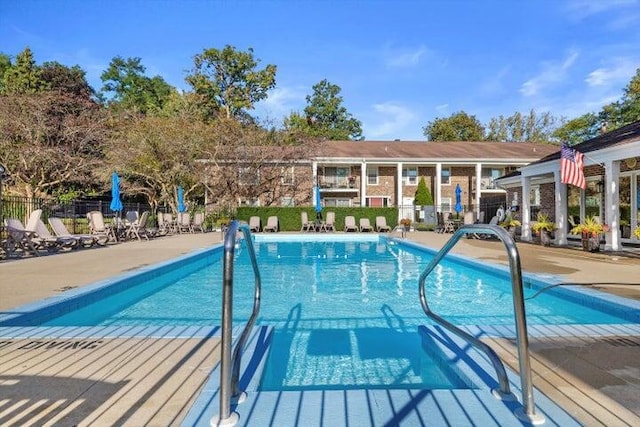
(458, 198)
(116, 203)
(181, 207)
(318, 204)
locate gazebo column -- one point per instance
(561, 210)
(363, 183)
(399, 189)
(525, 209)
(612, 205)
(438, 186)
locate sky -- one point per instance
(399, 63)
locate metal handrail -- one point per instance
(230, 368)
(529, 414)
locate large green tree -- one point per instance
(532, 127)
(229, 81)
(579, 129)
(325, 116)
(127, 87)
(24, 76)
(459, 126)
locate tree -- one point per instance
(128, 87)
(325, 116)
(579, 129)
(423, 196)
(70, 80)
(50, 142)
(458, 127)
(227, 80)
(520, 128)
(24, 76)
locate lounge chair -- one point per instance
(272, 224)
(98, 227)
(40, 234)
(365, 225)
(198, 222)
(138, 229)
(184, 222)
(306, 225)
(381, 224)
(86, 240)
(51, 242)
(330, 223)
(19, 239)
(254, 224)
(350, 224)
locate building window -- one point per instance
(372, 175)
(337, 202)
(445, 204)
(288, 175)
(445, 176)
(489, 176)
(377, 202)
(336, 177)
(410, 176)
(288, 201)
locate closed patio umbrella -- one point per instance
(318, 202)
(458, 199)
(181, 207)
(116, 203)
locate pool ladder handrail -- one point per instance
(529, 414)
(230, 367)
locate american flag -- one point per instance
(571, 167)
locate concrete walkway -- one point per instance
(135, 381)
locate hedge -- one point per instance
(289, 218)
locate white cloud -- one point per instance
(404, 58)
(552, 72)
(282, 101)
(619, 73)
(495, 84)
(389, 121)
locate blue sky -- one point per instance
(400, 64)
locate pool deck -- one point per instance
(104, 380)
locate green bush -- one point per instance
(290, 219)
(423, 196)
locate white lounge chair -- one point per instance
(254, 224)
(138, 229)
(19, 238)
(98, 227)
(86, 240)
(350, 224)
(381, 224)
(365, 225)
(272, 224)
(330, 223)
(306, 225)
(51, 242)
(198, 222)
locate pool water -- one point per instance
(346, 314)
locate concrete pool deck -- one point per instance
(132, 381)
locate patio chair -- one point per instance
(272, 224)
(365, 225)
(449, 226)
(51, 242)
(19, 238)
(98, 227)
(381, 224)
(198, 222)
(330, 223)
(138, 229)
(184, 222)
(254, 224)
(350, 224)
(306, 225)
(85, 240)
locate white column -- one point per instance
(612, 205)
(399, 189)
(437, 191)
(478, 188)
(363, 183)
(525, 208)
(561, 210)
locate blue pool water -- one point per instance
(345, 313)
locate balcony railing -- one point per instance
(337, 182)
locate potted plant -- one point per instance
(544, 227)
(636, 232)
(590, 230)
(406, 223)
(510, 223)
